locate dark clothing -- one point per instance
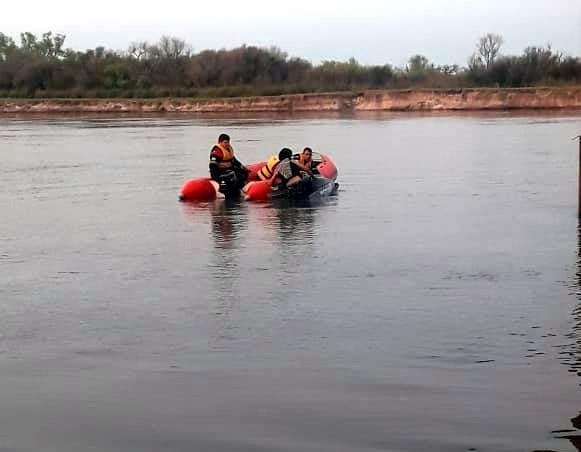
(237, 167)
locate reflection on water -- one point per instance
(278, 241)
(295, 241)
(229, 221)
(295, 226)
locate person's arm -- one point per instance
(303, 167)
(216, 155)
(239, 164)
(274, 175)
(214, 170)
(271, 180)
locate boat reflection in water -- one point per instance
(258, 254)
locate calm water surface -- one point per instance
(433, 305)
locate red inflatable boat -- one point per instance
(205, 189)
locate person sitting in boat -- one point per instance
(305, 158)
(266, 172)
(223, 162)
(288, 171)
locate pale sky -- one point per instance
(372, 31)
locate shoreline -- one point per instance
(414, 100)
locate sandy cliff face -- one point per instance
(389, 100)
(470, 99)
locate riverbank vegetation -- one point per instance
(41, 67)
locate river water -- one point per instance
(432, 305)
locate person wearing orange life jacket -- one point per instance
(223, 161)
(305, 158)
(266, 172)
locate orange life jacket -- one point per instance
(227, 157)
(267, 170)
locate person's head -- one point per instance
(224, 139)
(285, 153)
(307, 154)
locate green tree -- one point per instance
(28, 42)
(116, 75)
(7, 47)
(418, 66)
(51, 46)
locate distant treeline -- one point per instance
(43, 67)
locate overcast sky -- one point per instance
(372, 31)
